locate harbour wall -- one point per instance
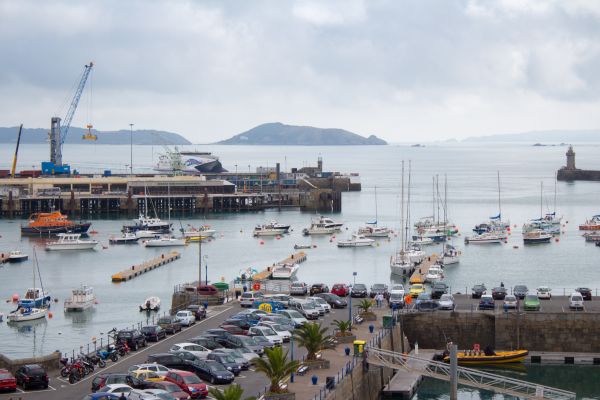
(49, 362)
(577, 175)
(551, 332)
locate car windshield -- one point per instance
(478, 287)
(164, 320)
(217, 367)
(446, 297)
(378, 286)
(182, 314)
(190, 379)
(531, 297)
(266, 331)
(510, 298)
(359, 286)
(164, 396)
(308, 306)
(576, 298)
(148, 329)
(5, 375)
(319, 300)
(397, 287)
(171, 387)
(543, 290)
(584, 289)
(226, 359)
(297, 284)
(520, 288)
(396, 296)
(294, 314)
(417, 287)
(193, 348)
(246, 295)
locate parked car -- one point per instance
(31, 375)
(486, 302)
(214, 372)
(586, 293)
(499, 293)
(241, 323)
(446, 302)
(137, 394)
(168, 387)
(295, 316)
(396, 299)
(423, 297)
(185, 318)
(318, 288)
(477, 291)
(133, 337)
(234, 329)
(576, 301)
(239, 357)
(416, 289)
(147, 375)
(531, 303)
(340, 289)
(109, 396)
(520, 291)
(308, 310)
(283, 333)
(247, 342)
(103, 380)
(116, 388)
(208, 341)
(359, 290)
(318, 301)
(285, 322)
(248, 298)
(379, 288)
(158, 369)
(333, 300)
(169, 360)
(427, 305)
(198, 310)
(438, 289)
(195, 349)
(267, 333)
(170, 324)
(7, 381)
(510, 301)
(153, 333)
(543, 292)
(227, 361)
(188, 382)
(298, 289)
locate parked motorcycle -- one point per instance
(110, 353)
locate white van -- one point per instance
(186, 318)
(576, 301)
(305, 308)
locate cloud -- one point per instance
(406, 71)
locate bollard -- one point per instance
(347, 351)
(371, 328)
(314, 379)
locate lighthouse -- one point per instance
(571, 159)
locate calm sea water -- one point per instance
(472, 198)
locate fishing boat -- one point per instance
(534, 236)
(471, 357)
(71, 241)
(150, 304)
(81, 299)
(16, 256)
(125, 238)
(319, 228)
(267, 230)
(204, 230)
(46, 224)
(451, 255)
(485, 238)
(592, 224)
(284, 271)
(371, 230)
(593, 236)
(164, 241)
(302, 246)
(356, 241)
(26, 314)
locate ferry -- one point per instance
(189, 162)
(81, 299)
(45, 224)
(71, 241)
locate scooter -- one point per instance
(110, 353)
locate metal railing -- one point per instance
(466, 376)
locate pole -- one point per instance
(453, 372)
(205, 268)
(200, 259)
(130, 149)
(292, 357)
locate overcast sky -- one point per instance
(402, 70)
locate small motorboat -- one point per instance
(204, 231)
(126, 238)
(472, 357)
(435, 274)
(71, 241)
(451, 255)
(374, 231)
(26, 314)
(16, 256)
(422, 240)
(535, 236)
(302, 246)
(319, 229)
(164, 241)
(146, 234)
(150, 304)
(277, 225)
(485, 238)
(268, 230)
(284, 271)
(81, 299)
(329, 223)
(356, 241)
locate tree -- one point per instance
(233, 392)
(313, 338)
(365, 305)
(343, 326)
(276, 367)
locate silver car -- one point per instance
(446, 302)
(510, 301)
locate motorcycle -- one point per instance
(75, 365)
(123, 348)
(94, 360)
(110, 353)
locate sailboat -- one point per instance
(371, 230)
(35, 303)
(145, 223)
(432, 227)
(413, 250)
(450, 255)
(494, 231)
(538, 231)
(400, 263)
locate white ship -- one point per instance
(71, 241)
(188, 162)
(81, 299)
(356, 241)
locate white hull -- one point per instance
(151, 304)
(320, 231)
(201, 233)
(164, 242)
(449, 260)
(36, 313)
(423, 241)
(269, 232)
(71, 246)
(351, 243)
(78, 306)
(14, 258)
(284, 272)
(145, 234)
(400, 269)
(483, 241)
(416, 256)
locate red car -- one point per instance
(340, 289)
(188, 382)
(7, 381)
(170, 387)
(234, 329)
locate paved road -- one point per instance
(251, 381)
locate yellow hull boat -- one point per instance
(500, 357)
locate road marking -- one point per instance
(50, 389)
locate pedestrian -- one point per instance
(378, 299)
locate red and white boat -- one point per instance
(591, 224)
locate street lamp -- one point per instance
(131, 149)
(350, 302)
(236, 177)
(205, 267)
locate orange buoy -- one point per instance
(50, 315)
(93, 232)
(262, 242)
(556, 239)
(15, 298)
(277, 237)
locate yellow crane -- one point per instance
(89, 135)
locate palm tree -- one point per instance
(276, 367)
(343, 326)
(233, 392)
(313, 338)
(365, 305)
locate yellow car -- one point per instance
(416, 290)
(146, 375)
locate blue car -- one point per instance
(101, 396)
(487, 302)
(268, 305)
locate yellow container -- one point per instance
(359, 346)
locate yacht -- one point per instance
(414, 253)
(356, 241)
(34, 298)
(165, 241)
(374, 231)
(125, 238)
(277, 225)
(146, 234)
(435, 274)
(400, 264)
(533, 236)
(152, 303)
(329, 223)
(16, 256)
(422, 240)
(485, 238)
(149, 224)
(71, 241)
(205, 231)
(319, 228)
(268, 230)
(81, 299)
(451, 255)
(26, 314)
(284, 271)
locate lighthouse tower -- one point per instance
(570, 159)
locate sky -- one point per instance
(404, 70)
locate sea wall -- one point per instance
(552, 332)
(577, 175)
(49, 362)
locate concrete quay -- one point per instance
(404, 384)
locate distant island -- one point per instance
(140, 137)
(538, 137)
(291, 135)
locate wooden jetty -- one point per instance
(422, 269)
(404, 384)
(296, 258)
(137, 270)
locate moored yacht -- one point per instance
(374, 231)
(268, 230)
(485, 238)
(152, 303)
(284, 271)
(592, 224)
(26, 314)
(164, 241)
(533, 236)
(451, 255)
(318, 228)
(71, 241)
(149, 224)
(125, 238)
(356, 241)
(81, 299)
(205, 231)
(34, 298)
(329, 223)
(400, 264)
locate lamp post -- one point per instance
(130, 149)
(205, 267)
(200, 260)
(350, 301)
(292, 356)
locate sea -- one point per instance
(468, 178)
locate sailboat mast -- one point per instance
(433, 199)
(402, 212)
(376, 216)
(499, 202)
(555, 179)
(542, 200)
(408, 207)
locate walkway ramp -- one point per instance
(466, 376)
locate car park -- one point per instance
(196, 349)
(227, 361)
(133, 337)
(499, 293)
(267, 333)
(510, 301)
(158, 369)
(359, 290)
(586, 293)
(298, 289)
(188, 382)
(340, 289)
(486, 302)
(153, 333)
(544, 292)
(416, 289)
(520, 291)
(576, 301)
(185, 318)
(318, 288)
(7, 381)
(333, 300)
(295, 316)
(170, 324)
(531, 303)
(378, 288)
(446, 302)
(31, 375)
(321, 303)
(477, 291)
(168, 387)
(438, 289)
(214, 372)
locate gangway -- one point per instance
(466, 376)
